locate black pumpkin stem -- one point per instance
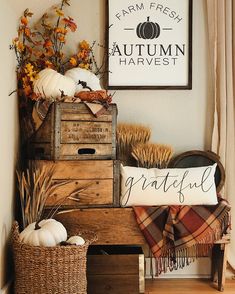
(84, 85)
(148, 18)
(37, 227)
(64, 243)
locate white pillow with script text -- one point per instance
(170, 186)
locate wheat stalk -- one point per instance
(35, 187)
(152, 155)
(128, 135)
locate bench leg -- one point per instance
(222, 259)
(214, 263)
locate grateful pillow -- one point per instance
(171, 186)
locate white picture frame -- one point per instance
(149, 44)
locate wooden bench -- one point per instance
(117, 226)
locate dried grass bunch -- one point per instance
(35, 186)
(128, 135)
(151, 155)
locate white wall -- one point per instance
(8, 133)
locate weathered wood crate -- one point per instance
(71, 132)
(115, 269)
(100, 177)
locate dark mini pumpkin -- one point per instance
(148, 30)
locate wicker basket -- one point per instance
(54, 270)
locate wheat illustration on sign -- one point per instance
(148, 29)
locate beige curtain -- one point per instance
(221, 30)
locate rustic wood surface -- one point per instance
(86, 132)
(72, 114)
(113, 264)
(43, 134)
(89, 169)
(186, 286)
(112, 225)
(98, 192)
(99, 178)
(100, 150)
(113, 284)
(108, 270)
(73, 123)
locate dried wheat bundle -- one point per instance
(35, 186)
(152, 155)
(128, 135)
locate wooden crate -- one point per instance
(115, 269)
(71, 132)
(101, 177)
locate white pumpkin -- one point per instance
(76, 240)
(50, 83)
(49, 233)
(84, 75)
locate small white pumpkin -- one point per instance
(80, 74)
(47, 233)
(50, 83)
(76, 240)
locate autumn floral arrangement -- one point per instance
(45, 72)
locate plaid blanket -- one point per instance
(178, 234)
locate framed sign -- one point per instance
(150, 44)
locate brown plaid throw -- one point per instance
(178, 234)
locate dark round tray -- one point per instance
(196, 158)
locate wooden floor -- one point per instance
(186, 286)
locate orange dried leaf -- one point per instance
(25, 81)
(73, 61)
(47, 43)
(15, 40)
(70, 23)
(24, 20)
(84, 65)
(27, 32)
(37, 53)
(59, 12)
(84, 45)
(61, 39)
(49, 64)
(20, 47)
(49, 52)
(35, 96)
(29, 49)
(27, 90)
(61, 31)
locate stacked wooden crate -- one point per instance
(115, 269)
(81, 148)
